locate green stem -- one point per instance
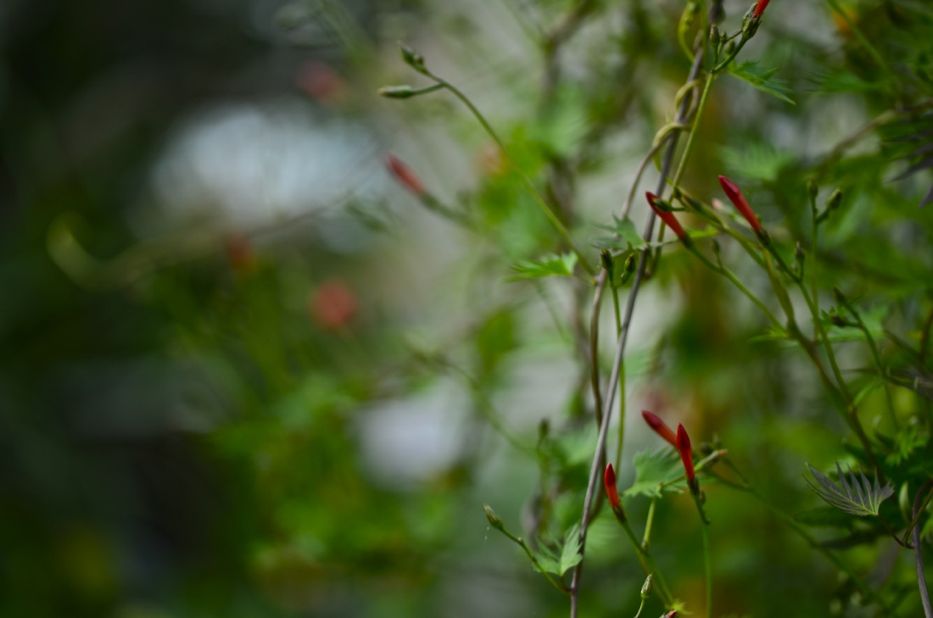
(707, 567)
(542, 203)
(649, 524)
(874, 53)
(618, 319)
(534, 561)
(796, 527)
(848, 409)
(693, 129)
(877, 358)
(649, 566)
(641, 606)
(728, 274)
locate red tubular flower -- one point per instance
(741, 204)
(609, 483)
(760, 7)
(686, 456)
(405, 176)
(660, 427)
(667, 217)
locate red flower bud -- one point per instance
(667, 217)
(405, 176)
(686, 455)
(609, 483)
(741, 204)
(660, 427)
(760, 7)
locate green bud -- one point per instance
(628, 268)
(903, 501)
(492, 518)
(646, 587)
(413, 58)
(834, 200)
(397, 92)
(812, 188)
(714, 37)
(605, 256)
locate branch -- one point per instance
(623, 338)
(921, 576)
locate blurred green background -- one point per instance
(244, 373)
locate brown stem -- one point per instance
(623, 338)
(918, 554)
(594, 345)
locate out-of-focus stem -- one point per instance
(649, 524)
(594, 346)
(877, 358)
(542, 203)
(746, 488)
(918, 554)
(693, 129)
(649, 566)
(595, 469)
(707, 567)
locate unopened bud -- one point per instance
(492, 518)
(813, 188)
(413, 59)
(714, 36)
(628, 269)
(835, 199)
(646, 587)
(605, 256)
(397, 92)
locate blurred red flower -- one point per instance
(333, 305)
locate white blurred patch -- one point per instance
(252, 163)
(411, 440)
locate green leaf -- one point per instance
(563, 124)
(550, 265)
(570, 555)
(853, 494)
(656, 472)
(550, 562)
(843, 81)
(547, 562)
(624, 235)
(763, 79)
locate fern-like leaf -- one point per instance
(853, 493)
